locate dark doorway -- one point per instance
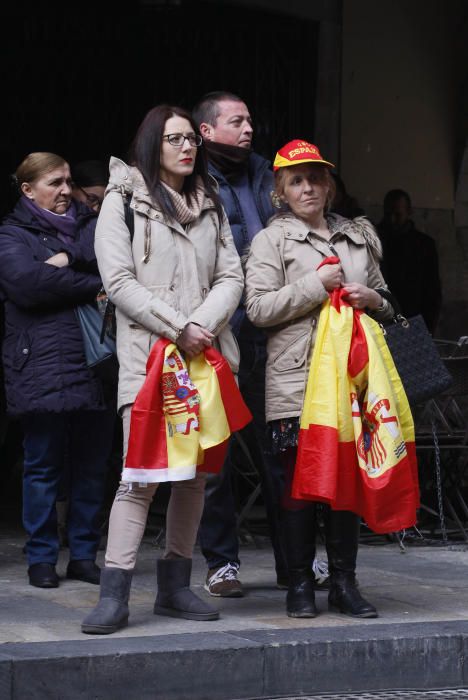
(79, 84)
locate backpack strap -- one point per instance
(129, 218)
(108, 321)
(128, 212)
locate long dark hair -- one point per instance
(145, 154)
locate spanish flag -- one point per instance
(183, 416)
(356, 447)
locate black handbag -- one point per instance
(417, 360)
(100, 349)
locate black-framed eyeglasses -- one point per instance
(178, 140)
(92, 200)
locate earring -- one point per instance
(276, 201)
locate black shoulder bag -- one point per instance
(417, 360)
(99, 329)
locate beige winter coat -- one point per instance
(167, 277)
(284, 295)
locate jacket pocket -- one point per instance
(140, 346)
(294, 355)
(22, 351)
(228, 346)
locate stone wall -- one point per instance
(452, 247)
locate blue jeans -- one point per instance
(81, 441)
(218, 532)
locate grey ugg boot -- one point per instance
(174, 597)
(111, 612)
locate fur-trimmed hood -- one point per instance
(361, 225)
(359, 230)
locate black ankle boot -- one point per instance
(342, 539)
(344, 597)
(300, 598)
(298, 529)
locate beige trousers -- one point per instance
(129, 513)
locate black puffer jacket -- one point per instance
(43, 352)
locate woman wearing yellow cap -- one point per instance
(285, 291)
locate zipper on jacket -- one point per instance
(218, 227)
(217, 327)
(332, 248)
(167, 322)
(311, 332)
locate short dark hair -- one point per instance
(207, 108)
(393, 196)
(145, 154)
(89, 173)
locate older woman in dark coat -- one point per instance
(47, 268)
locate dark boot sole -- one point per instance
(233, 594)
(301, 614)
(44, 583)
(172, 612)
(104, 629)
(72, 577)
(363, 616)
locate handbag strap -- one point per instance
(387, 294)
(398, 316)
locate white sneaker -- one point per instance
(322, 576)
(223, 582)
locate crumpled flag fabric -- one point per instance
(183, 416)
(356, 447)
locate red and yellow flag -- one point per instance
(183, 416)
(356, 446)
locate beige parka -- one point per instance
(284, 295)
(168, 276)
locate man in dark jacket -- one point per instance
(410, 263)
(245, 182)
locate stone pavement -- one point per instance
(254, 650)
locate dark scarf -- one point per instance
(230, 161)
(64, 225)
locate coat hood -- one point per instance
(130, 182)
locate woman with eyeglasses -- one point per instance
(89, 183)
(178, 277)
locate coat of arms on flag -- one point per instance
(356, 446)
(183, 416)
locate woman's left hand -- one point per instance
(194, 339)
(360, 297)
